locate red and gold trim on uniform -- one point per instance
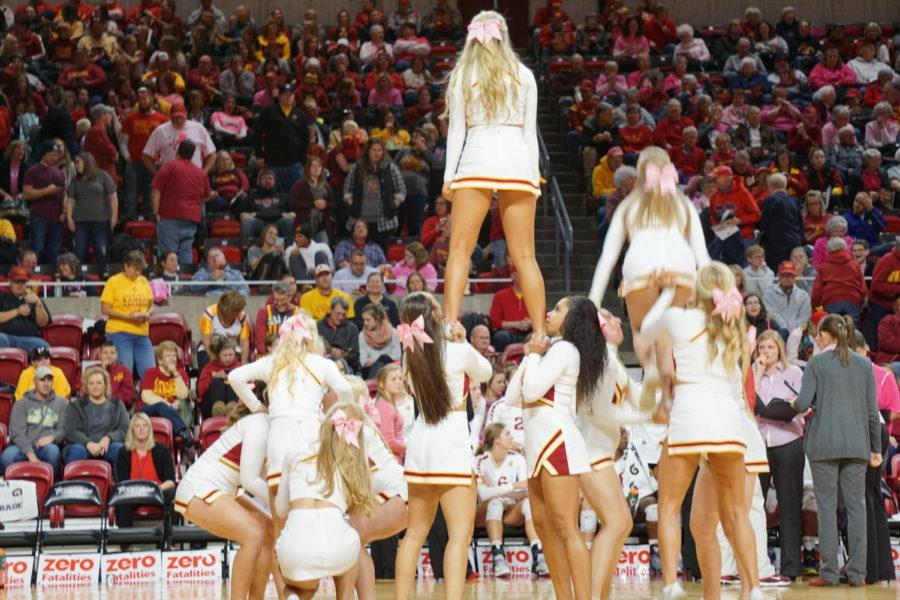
(602, 463)
(273, 478)
(757, 466)
(232, 458)
(707, 446)
(437, 478)
(553, 456)
(685, 280)
(548, 400)
(496, 183)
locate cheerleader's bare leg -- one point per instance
(554, 551)
(517, 211)
(604, 493)
(387, 519)
(562, 507)
(345, 583)
(674, 475)
(458, 507)
(734, 513)
(302, 590)
(704, 521)
(423, 503)
(227, 519)
(265, 562)
(470, 207)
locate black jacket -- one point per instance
(281, 140)
(386, 188)
(162, 462)
(781, 225)
(76, 425)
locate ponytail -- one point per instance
(837, 328)
(425, 363)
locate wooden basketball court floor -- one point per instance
(516, 589)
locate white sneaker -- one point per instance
(756, 594)
(674, 592)
(501, 569)
(775, 581)
(540, 566)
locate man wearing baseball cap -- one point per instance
(138, 125)
(317, 301)
(788, 304)
(162, 146)
(22, 314)
(40, 357)
(36, 425)
(733, 198)
(282, 137)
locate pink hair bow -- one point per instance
(484, 31)
(348, 429)
(728, 304)
(367, 404)
(666, 178)
(751, 337)
(414, 334)
(602, 320)
(295, 327)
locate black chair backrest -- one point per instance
(137, 492)
(71, 492)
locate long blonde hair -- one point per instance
(338, 458)
(494, 66)
(646, 209)
(289, 352)
(732, 333)
(774, 337)
(130, 442)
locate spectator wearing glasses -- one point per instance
(36, 425)
(40, 357)
(340, 332)
(22, 314)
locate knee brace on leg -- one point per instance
(587, 521)
(494, 510)
(526, 509)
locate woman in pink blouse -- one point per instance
(632, 41)
(415, 260)
(831, 71)
(775, 378)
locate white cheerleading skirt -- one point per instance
(601, 442)
(705, 419)
(653, 250)
(756, 460)
(496, 157)
(289, 436)
(440, 454)
(206, 486)
(316, 543)
(553, 442)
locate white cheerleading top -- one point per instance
(294, 394)
(463, 366)
(299, 479)
(557, 369)
(616, 401)
(519, 113)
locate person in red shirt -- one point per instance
(180, 188)
(731, 194)
(669, 131)
(97, 141)
(653, 96)
(121, 381)
(165, 389)
(151, 7)
(543, 14)
(205, 78)
(509, 316)
(839, 284)
(137, 126)
(363, 18)
(214, 394)
(660, 30)
(806, 134)
(687, 157)
(30, 43)
(82, 74)
(885, 288)
(634, 135)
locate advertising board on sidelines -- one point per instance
(517, 557)
(193, 565)
(634, 562)
(131, 567)
(423, 568)
(68, 569)
(19, 570)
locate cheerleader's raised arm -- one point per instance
(253, 456)
(240, 380)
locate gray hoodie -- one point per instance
(33, 419)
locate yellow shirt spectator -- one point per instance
(26, 382)
(317, 304)
(7, 230)
(127, 296)
(603, 182)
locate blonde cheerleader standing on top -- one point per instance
(665, 236)
(439, 460)
(711, 354)
(600, 422)
(296, 378)
(551, 380)
(208, 497)
(492, 146)
(316, 493)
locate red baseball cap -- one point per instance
(178, 110)
(18, 273)
(786, 267)
(615, 151)
(723, 171)
(817, 316)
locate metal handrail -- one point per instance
(563, 231)
(543, 165)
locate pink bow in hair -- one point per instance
(414, 334)
(728, 304)
(602, 320)
(347, 429)
(666, 178)
(295, 327)
(751, 337)
(484, 31)
(367, 404)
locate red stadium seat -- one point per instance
(6, 405)
(40, 473)
(372, 384)
(395, 252)
(12, 362)
(239, 159)
(4, 434)
(442, 66)
(233, 254)
(65, 330)
(163, 434)
(225, 228)
(559, 65)
(443, 50)
(211, 429)
(95, 471)
(141, 230)
(513, 354)
(20, 231)
(174, 327)
(69, 361)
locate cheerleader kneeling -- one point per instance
(208, 496)
(315, 494)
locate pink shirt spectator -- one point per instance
(392, 97)
(230, 124)
(630, 47)
(887, 394)
(391, 427)
(820, 250)
(733, 116)
(830, 136)
(695, 50)
(401, 271)
(606, 86)
(878, 135)
(779, 385)
(778, 118)
(821, 76)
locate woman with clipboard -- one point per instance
(776, 382)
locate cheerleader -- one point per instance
(503, 498)
(316, 492)
(439, 459)
(553, 376)
(600, 422)
(492, 146)
(710, 351)
(664, 235)
(208, 497)
(296, 378)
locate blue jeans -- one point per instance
(504, 338)
(75, 452)
(135, 351)
(286, 176)
(176, 235)
(161, 409)
(137, 184)
(23, 342)
(49, 454)
(46, 239)
(844, 308)
(96, 234)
